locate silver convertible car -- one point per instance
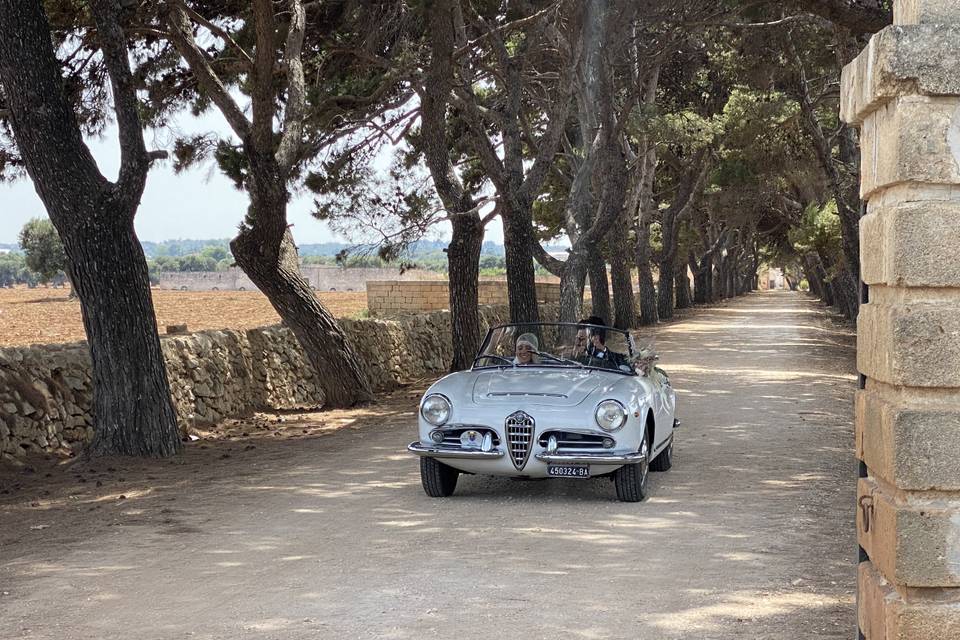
(550, 400)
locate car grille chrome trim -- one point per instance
(519, 428)
(567, 439)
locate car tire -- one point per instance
(664, 460)
(631, 479)
(439, 480)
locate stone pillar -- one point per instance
(903, 92)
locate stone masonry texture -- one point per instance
(46, 390)
(397, 297)
(903, 92)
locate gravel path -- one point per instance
(749, 536)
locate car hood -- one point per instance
(559, 387)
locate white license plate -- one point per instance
(568, 470)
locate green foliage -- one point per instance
(190, 255)
(215, 252)
(13, 270)
(42, 249)
(819, 232)
(197, 263)
(177, 248)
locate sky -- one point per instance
(200, 203)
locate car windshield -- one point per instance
(558, 345)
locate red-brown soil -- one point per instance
(43, 315)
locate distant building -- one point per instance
(772, 278)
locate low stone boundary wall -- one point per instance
(320, 277)
(399, 297)
(46, 390)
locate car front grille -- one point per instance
(519, 430)
(573, 440)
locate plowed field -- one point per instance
(42, 315)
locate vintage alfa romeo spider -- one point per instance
(550, 400)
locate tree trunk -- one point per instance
(665, 282)
(132, 410)
(265, 251)
(846, 293)
(463, 253)
(571, 284)
(599, 285)
(647, 292)
(817, 276)
(463, 260)
(717, 280)
(670, 221)
(518, 242)
(731, 284)
(845, 191)
(702, 280)
(683, 287)
(625, 307)
(647, 295)
(813, 281)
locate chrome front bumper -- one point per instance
(590, 458)
(438, 451)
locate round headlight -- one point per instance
(611, 415)
(435, 409)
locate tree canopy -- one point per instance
(654, 140)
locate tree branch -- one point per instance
(134, 162)
(858, 16)
(509, 26)
(181, 34)
(553, 265)
(295, 111)
(550, 140)
(753, 25)
(217, 31)
(262, 96)
(433, 108)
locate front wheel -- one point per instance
(631, 479)
(438, 480)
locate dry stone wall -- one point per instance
(46, 390)
(320, 277)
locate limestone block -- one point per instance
(910, 139)
(926, 12)
(884, 614)
(910, 443)
(901, 61)
(913, 344)
(912, 244)
(913, 540)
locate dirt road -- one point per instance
(749, 536)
